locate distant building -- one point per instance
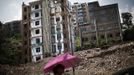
(12, 28)
(46, 28)
(104, 25)
(80, 17)
(82, 14)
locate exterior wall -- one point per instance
(82, 14)
(25, 32)
(52, 26)
(58, 20)
(66, 26)
(104, 24)
(36, 31)
(46, 27)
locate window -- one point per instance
(62, 8)
(58, 19)
(37, 40)
(37, 31)
(52, 20)
(25, 9)
(85, 39)
(117, 34)
(25, 34)
(25, 17)
(58, 30)
(37, 23)
(58, 36)
(38, 49)
(110, 35)
(53, 30)
(25, 42)
(38, 58)
(54, 48)
(53, 39)
(93, 38)
(25, 25)
(37, 14)
(102, 36)
(36, 6)
(63, 18)
(59, 46)
(83, 29)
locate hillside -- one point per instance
(93, 62)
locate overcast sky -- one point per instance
(11, 9)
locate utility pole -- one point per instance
(106, 36)
(96, 31)
(71, 29)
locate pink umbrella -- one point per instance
(65, 59)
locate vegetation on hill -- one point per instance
(9, 47)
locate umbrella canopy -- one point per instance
(66, 60)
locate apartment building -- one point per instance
(80, 17)
(81, 10)
(104, 25)
(49, 28)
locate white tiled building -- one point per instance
(50, 25)
(36, 32)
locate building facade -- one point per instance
(81, 10)
(49, 28)
(104, 25)
(26, 34)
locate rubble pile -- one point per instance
(95, 61)
(105, 62)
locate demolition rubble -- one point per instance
(95, 61)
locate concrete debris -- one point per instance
(107, 61)
(95, 61)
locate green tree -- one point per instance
(128, 33)
(127, 20)
(9, 48)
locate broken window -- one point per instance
(37, 40)
(38, 58)
(37, 14)
(36, 6)
(37, 23)
(37, 31)
(38, 49)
